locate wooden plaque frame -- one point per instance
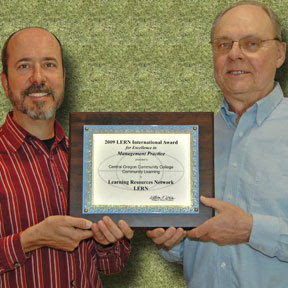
(205, 121)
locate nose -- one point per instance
(37, 76)
(235, 52)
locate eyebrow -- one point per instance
(247, 36)
(27, 59)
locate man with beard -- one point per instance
(40, 246)
(246, 243)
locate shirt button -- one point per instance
(60, 187)
(73, 283)
(223, 265)
(229, 196)
(235, 164)
(51, 159)
(240, 134)
(16, 264)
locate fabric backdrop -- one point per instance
(132, 55)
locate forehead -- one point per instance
(33, 43)
(244, 20)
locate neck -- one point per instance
(241, 101)
(42, 129)
(239, 107)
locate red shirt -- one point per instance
(34, 185)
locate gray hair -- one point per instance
(272, 15)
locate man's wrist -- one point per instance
(28, 240)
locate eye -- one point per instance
(50, 65)
(23, 66)
(222, 44)
(251, 44)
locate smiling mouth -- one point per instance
(38, 91)
(237, 72)
(38, 94)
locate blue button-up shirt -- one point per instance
(251, 171)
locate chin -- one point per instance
(40, 114)
(237, 89)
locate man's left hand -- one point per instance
(232, 225)
(106, 232)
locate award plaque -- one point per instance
(148, 169)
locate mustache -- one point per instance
(38, 88)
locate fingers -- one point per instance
(212, 202)
(175, 238)
(128, 232)
(232, 225)
(98, 235)
(110, 229)
(80, 223)
(106, 231)
(158, 232)
(160, 238)
(56, 232)
(66, 229)
(199, 232)
(168, 238)
(83, 234)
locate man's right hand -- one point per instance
(167, 238)
(58, 232)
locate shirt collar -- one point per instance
(12, 135)
(263, 108)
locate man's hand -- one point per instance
(167, 238)
(106, 232)
(58, 232)
(232, 225)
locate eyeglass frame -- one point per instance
(240, 46)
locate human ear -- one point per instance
(4, 81)
(281, 54)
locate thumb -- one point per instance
(204, 200)
(212, 202)
(80, 223)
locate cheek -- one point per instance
(263, 63)
(218, 72)
(264, 69)
(57, 82)
(219, 64)
(18, 84)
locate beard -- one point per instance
(36, 110)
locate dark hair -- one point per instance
(5, 49)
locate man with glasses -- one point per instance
(246, 243)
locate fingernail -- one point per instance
(120, 223)
(106, 219)
(88, 224)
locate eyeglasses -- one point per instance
(247, 44)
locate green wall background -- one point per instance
(132, 55)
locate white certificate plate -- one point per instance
(140, 169)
